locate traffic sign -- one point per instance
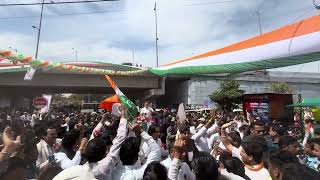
(40, 102)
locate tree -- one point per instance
(61, 99)
(58, 99)
(76, 99)
(281, 88)
(228, 95)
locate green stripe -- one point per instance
(122, 67)
(25, 69)
(240, 67)
(131, 109)
(36, 62)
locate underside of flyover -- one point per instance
(7, 91)
(15, 88)
(162, 91)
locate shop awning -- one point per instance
(307, 102)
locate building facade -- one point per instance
(195, 91)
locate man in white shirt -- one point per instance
(66, 157)
(153, 131)
(76, 173)
(184, 171)
(46, 147)
(204, 166)
(34, 117)
(98, 165)
(170, 145)
(129, 153)
(250, 153)
(146, 111)
(200, 138)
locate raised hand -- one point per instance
(122, 111)
(179, 147)
(83, 144)
(10, 145)
(227, 124)
(56, 147)
(104, 118)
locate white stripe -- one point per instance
(13, 67)
(82, 62)
(300, 45)
(118, 92)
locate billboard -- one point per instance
(269, 107)
(257, 107)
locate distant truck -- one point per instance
(268, 107)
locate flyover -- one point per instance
(15, 90)
(50, 82)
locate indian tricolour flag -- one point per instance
(109, 102)
(293, 44)
(130, 107)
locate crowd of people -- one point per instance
(157, 145)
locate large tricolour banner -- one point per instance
(297, 43)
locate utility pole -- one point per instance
(39, 29)
(132, 57)
(76, 52)
(259, 18)
(300, 113)
(156, 24)
(260, 30)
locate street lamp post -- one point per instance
(132, 57)
(14, 49)
(76, 54)
(39, 30)
(259, 19)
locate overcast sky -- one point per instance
(110, 31)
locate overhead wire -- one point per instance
(309, 10)
(304, 14)
(88, 13)
(211, 3)
(55, 3)
(66, 14)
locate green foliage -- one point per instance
(73, 99)
(58, 99)
(76, 99)
(281, 88)
(228, 95)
